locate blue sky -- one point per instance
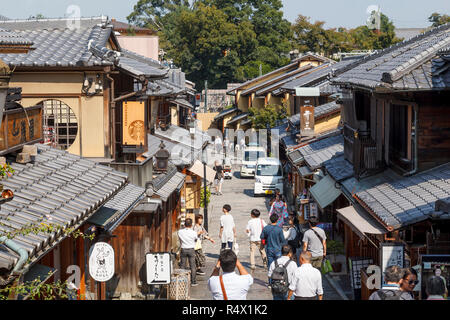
(346, 13)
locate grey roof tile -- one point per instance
(408, 199)
(62, 196)
(410, 65)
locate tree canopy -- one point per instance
(225, 41)
(314, 37)
(438, 19)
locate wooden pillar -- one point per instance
(80, 261)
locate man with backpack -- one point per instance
(391, 289)
(314, 241)
(281, 273)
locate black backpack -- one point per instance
(389, 294)
(280, 280)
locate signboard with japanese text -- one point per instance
(133, 132)
(307, 121)
(392, 254)
(159, 268)
(101, 262)
(19, 128)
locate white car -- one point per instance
(249, 158)
(268, 176)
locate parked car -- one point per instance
(250, 155)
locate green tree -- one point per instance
(267, 116)
(438, 19)
(314, 37)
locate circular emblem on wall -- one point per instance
(101, 262)
(136, 129)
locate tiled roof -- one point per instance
(183, 103)
(320, 151)
(12, 38)
(225, 112)
(238, 117)
(179, 135)
(120, 206)
(404, 66)
(323, 72)
(165, 184)
(56, 44)
(59, 189)
(180, 154)
(319, 111)
(273, 83)
(339, 168)
(138, 65)
(286, 67)
(402, 202)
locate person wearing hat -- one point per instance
(314, 241)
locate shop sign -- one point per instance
(101, 262)
(159, 268)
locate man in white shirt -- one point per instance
(188, 238)
(229, 286)
(291, 267)
(307, 282)
(254, 228)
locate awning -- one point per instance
(150, 206)
(237, 118)
(166, 184)
(325, 192)
(360, 221)
(116, 210)
(198, 169)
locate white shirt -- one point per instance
(289, 234)
(227, 223)
(291, 267)
(236, 286)
(188, 237)
(307, 282)
(255, 228)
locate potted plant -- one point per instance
(335, 248)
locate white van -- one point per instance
(249, 157)
(268, 176)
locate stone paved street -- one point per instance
(239, 194)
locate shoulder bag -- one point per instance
(225, 297)
(263, 241)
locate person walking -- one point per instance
(227, 232)
(218, 178)
(391, 288)
(435, 288)
(254, 229)
(229, 286)
(314, 241)
(281, 272)
(274, 238)
(307, 281)
(279, 208)
(202, 234)
(409, 281)
(188, 238)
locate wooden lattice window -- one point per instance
(60, 124)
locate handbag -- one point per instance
(263, 241)
(326, 266)
(198, 245)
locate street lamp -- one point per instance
(205, 204)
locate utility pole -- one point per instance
(260, 69)
(206, 96)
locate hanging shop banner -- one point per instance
(133, 123)
(101, 262)
(22, 127)
(391, 254)
(159, 268)
(307, 121)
